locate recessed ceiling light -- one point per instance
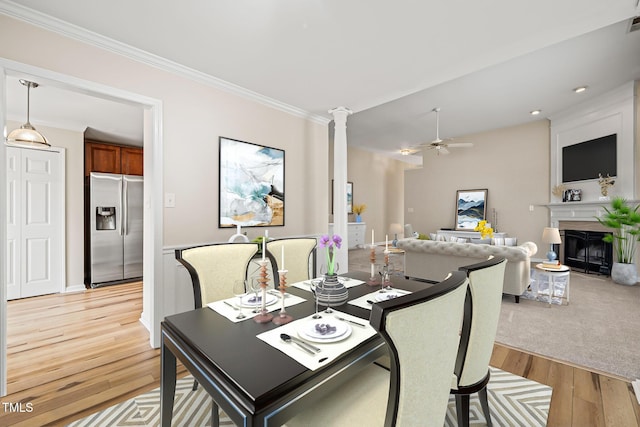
(405, 151)
(580, 89)
(535, 112)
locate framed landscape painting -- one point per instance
(471, 208)
(251, 185)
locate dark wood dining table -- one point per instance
(253, 382)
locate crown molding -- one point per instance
(72, 31)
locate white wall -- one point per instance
(612, 113)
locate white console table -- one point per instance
(467, 234)
(356, 233)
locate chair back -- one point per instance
(214, 268)
(422, 332)
(482, 311)
(299, 256)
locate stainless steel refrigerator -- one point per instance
(116, 212)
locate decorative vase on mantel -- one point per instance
(332, 292)
(624, 274)
(358, 218)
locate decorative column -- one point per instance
(340, 216)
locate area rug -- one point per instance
(514, 401)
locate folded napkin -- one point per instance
(374, 297)
(328, 351)
(221, 307)
(347, 281)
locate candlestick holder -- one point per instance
(386, 277)
(283, 317)
(373, 281)
(263, 316)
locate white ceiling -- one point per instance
(486, 64)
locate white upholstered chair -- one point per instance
(213, 270)
(482, 310)
(422, 332)
(299, 255)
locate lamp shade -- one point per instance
(551, 235)
(27, 134)
(395, 228)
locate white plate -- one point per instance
(308, 330)
(384, 296)
(247, 300)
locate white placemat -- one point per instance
(362, 301)
(223, 308)
(328, 351)
(347, 281)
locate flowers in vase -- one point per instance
(358, 209)
(331, 244)
(483, 229)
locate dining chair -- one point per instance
(421, 330)
(479, 327)
(213, 269)
(300, 258)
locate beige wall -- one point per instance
(378, 182)
(194, 116)
(512, 163)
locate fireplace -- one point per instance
(586, 251)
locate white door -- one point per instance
(35, 181)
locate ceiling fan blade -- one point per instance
(460, 144)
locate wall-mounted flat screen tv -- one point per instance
(588, 159)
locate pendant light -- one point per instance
(27, 134)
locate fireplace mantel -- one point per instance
(579, 211)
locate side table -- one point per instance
(553, 275)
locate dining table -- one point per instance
(257, 384)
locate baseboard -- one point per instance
(75, 288)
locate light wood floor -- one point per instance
(74, 354)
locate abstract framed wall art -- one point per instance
(471, 208)
(251, 185)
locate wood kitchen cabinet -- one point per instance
(111, 158)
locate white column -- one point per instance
(340, 217)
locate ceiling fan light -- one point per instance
(27, 134)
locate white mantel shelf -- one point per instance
(579, 211)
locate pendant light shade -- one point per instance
(27, 134)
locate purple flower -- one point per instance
(324, 241)
(337, 240)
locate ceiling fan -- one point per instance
(441, 145)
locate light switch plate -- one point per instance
(169, 200)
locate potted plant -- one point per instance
(625, 222)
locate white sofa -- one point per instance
(433, 260)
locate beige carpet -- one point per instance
(598, 330)
(513, 401)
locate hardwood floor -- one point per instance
(71, 355)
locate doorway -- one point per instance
(152, 141)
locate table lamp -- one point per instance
(551, 236)
(395, 229)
